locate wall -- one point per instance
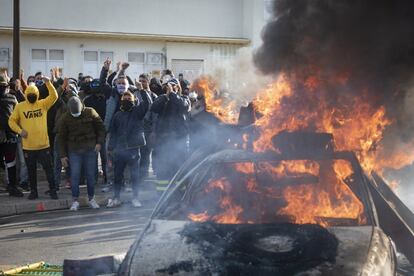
(214, 18)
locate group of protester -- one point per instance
(72, 123)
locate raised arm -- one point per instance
(52, 97)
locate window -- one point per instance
(45, 59)
(136, 63)
(4, 60)
(93, 60)
(154, 62)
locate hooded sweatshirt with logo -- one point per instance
(32, 117)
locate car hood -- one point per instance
(189, 248)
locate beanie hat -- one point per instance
(75, 105)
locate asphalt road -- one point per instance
(55, 236)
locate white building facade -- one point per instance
(188, 36)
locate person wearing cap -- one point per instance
(8, 139)
(29, 120)
(125, 140)
(171, 132)
(81, 136)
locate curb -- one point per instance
(61, 204)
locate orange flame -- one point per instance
(216, 104)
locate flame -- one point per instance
(293, 104)
(328, 198)
(203, 217)
(226, 111)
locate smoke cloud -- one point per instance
(369, 43)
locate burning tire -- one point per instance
(268, 248)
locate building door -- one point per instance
(191, 68)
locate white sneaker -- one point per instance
(113, 202)
(93, 204)
(136, 203)
(75, 206)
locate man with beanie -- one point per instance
(29, 120)
(125, 139)
(81, 136)
(66, 91)
(8, 139)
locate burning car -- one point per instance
(302, 210)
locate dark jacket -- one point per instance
(172, 111)
(7, 104)
(18, 94)
(96, 101)
(127, 130)
(82, 133)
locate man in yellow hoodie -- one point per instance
(29, 120)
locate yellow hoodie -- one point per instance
(32, 117)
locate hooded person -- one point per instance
(29, 120)
(81, 135)
(125, 140)
(8, 139)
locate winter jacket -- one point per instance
(96, 101)
(33, 119)
(7, 104)
(82, 133)
(127, 131)
(172, 110)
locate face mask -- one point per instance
(39, 83)
(122, 88)
(193, 95)
(76, 115)
(126, 105)
(32, 98)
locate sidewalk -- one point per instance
(15, 206)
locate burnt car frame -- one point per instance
(183, 247)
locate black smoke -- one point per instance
(369, 41)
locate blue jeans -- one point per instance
(87, 160)
(24, 175)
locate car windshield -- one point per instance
(325, 192)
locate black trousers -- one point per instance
(122, 159)
(8, 154)
(44, 157)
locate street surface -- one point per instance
(55, 236)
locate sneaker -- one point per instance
(15, 192)
(128, 189)
(75, 206)
(53, 195)
(136, 203)
(115, 202)
(93, 204)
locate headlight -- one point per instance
(380, 260)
